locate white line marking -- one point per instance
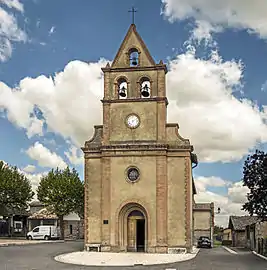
(229, 250)
(259, 255)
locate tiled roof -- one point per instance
(43, 214)
(240, 222)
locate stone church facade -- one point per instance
(138, 170)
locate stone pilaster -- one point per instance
(106, 123)
(162, 204)
(105, 201)
(85, 202)
(188, 204)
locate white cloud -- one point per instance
(238, 14)
(74, 155)
(35, 181)
(35, 127)
(52, 30)
(45, 157)
(9, 29)
(29, 169)
(200, 93)
(203, 32)
(50, 141)
(69, 101)
(201, 98)
(237, 192)
(202, 182)
(230, 204)
(13, 4)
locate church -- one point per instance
(139, 189)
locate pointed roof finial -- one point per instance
(133, 10)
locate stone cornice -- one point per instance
(158, 99)
(130, 69)
(138, 147)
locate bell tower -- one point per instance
(134, 103)
(138, 175)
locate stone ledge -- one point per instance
(88, 247)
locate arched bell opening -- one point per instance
(122, 88)
(133, 57)
(145, 87)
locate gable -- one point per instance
(132, 40)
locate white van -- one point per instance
(44, 232)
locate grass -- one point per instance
(217, 243)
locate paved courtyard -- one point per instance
(41, 257)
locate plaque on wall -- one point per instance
(133, 174)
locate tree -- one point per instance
(217, 229)
(15, 189)
(255, 178)
(63, 192)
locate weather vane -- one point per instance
(133, 10)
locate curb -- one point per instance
(195, 251)
(61, 259)
(259, 255)
(229, 250)
(29, 243)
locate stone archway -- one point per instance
(133, 228)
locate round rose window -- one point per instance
(133, 174)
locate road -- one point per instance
(41, 257)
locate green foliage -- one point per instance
(255, 178)
(63, 191)
(217, 229)
(15, 189)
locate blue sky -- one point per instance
(51, 53)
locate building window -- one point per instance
(71, 229)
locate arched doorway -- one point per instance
(136, 235)
(133, 228)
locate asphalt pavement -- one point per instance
(41, 257)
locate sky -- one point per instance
(51, 54)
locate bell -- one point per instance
(122, 91)
(145, 91)
(134, 61)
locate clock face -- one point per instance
(133, 121)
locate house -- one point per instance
(13, 222)
(203, 217)
(237, 225)
(256, 234)
(40, 215)
(227, 234)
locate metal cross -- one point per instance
(132, 11)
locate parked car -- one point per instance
(44, 233)
(204, 241)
